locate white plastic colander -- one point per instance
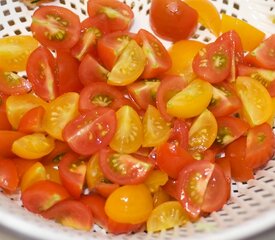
(251, 208)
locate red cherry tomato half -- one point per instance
(179, 133)
(55, 27)
(9, 178)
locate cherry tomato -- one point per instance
(128, 136)
(41, 73)
(105, 189)
(90, 131)
(160, 197)
(123, 168)
(129, 66)
(119, 15)
(22, 165)
(126, 206)
(94, 174)
(172, 19)
(155, 180)
(158, 59)
(42, 195)
(12, 84)
(72, 172)
(9, 178)
(71, 213)
(181, 105)
(100, 94)
(59, 113)
(171, 188)
(165, 216)
(52, 173)
(155, 129)
(100, 21)
(4, 122)
(14, 52)
(55, 27)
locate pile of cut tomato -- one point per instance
(109, 127)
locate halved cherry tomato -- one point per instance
(119, 14)
(22, 165)
(52, 173)
(165, 216)
(7, 138)
(123, 168)
(181, 105)
(263, 55)
(55, 27)
(32, 120)
(155, 129)
(35, 173)
(42, 195)
(68, 81)
(33, 146)
(94, 174)
(90, 71)
(144, 92)
(41, 73)
(4, 122)
(72, 172)
(100, 94)
(260, 145)
(172, 19)
(59, 113)
(179, 134)
(9, 178)
(14, 52)
(225, 100)
(125, 204)
(169, 86)
(17, 106)
(129, 66)
(160, 197)
(71, 213)
(128, 136)
(90, 131)
(171, 158)
(155, 180)
(171, 188)
(12, 84)
(158, 59)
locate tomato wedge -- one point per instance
(9, 178)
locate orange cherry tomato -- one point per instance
(7, 138)
(8, 175)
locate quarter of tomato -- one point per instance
(105, 189)
(172, 20)
(41, 73)
(14, 52)
(7, 138)
(59, 113)
(90, 131)
(9, 178)
(71, 213)
(94, 174)
(42, 195)
(55, 27)
(72, 172)
(128, 136)
(179, 134)
(155, 180)
(123, 168)
(22, 165)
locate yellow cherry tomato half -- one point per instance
(14, 52)
(160, 197)
(250, 36)
(257, 103)
(33, 146)
(191, 101)
(129, 204)
(94, 174)
(156, 179)
(165, 216)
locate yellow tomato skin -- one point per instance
(60, 111)
(14, 52)
(160, 197)
(156, 179)
(257, 103)
(35, 173)
(250, 36)
(129, 204)
(191, 101)
(182, 54)
(33, 146)
(208, 14)
(18, 105)
(165, 216)
(94, 175)
(128, 136)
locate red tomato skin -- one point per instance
(68, 81)
(100, 21)
(180, 133)
(72, 29)
(171, 187)
(158, 59)
(91, 131)
(75, 211)
(90, 70)
(41, 67)
(39, 196)
(72, 172)
(4, 122)
(22, 165)
(9, 178)
(105, 189)
(172, 20)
